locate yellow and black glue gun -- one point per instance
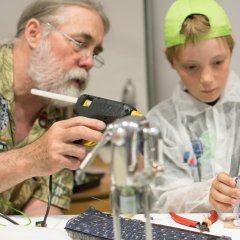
(90, 106)
(102, 109)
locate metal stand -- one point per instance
(136, 159)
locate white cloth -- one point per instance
(199, 141)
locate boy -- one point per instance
(198, 124)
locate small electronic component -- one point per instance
(40, 224)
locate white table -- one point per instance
(216, 229)
(55, 227)
(54, 230)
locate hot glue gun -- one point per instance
(90, 106)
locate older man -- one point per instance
(56, 44)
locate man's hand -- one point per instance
(223, 192)
(56, 149)
(53, 151)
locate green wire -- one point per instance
(18, 211)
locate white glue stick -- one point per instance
(55, 96)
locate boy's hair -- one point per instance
(193, 26)
(47, 11)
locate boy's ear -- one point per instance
(164, 52)
(32, 32)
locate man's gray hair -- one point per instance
(47, 10)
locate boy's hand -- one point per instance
(223, 192)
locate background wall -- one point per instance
(124, 46)
(164, 79)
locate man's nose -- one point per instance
(86, 61)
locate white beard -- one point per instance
(47, 74)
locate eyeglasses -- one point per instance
(80, 47)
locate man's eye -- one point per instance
(80, 45)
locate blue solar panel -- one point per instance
(95, 225)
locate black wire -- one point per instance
(8, 218)
(44, 222)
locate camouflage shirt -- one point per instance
(37, 188)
